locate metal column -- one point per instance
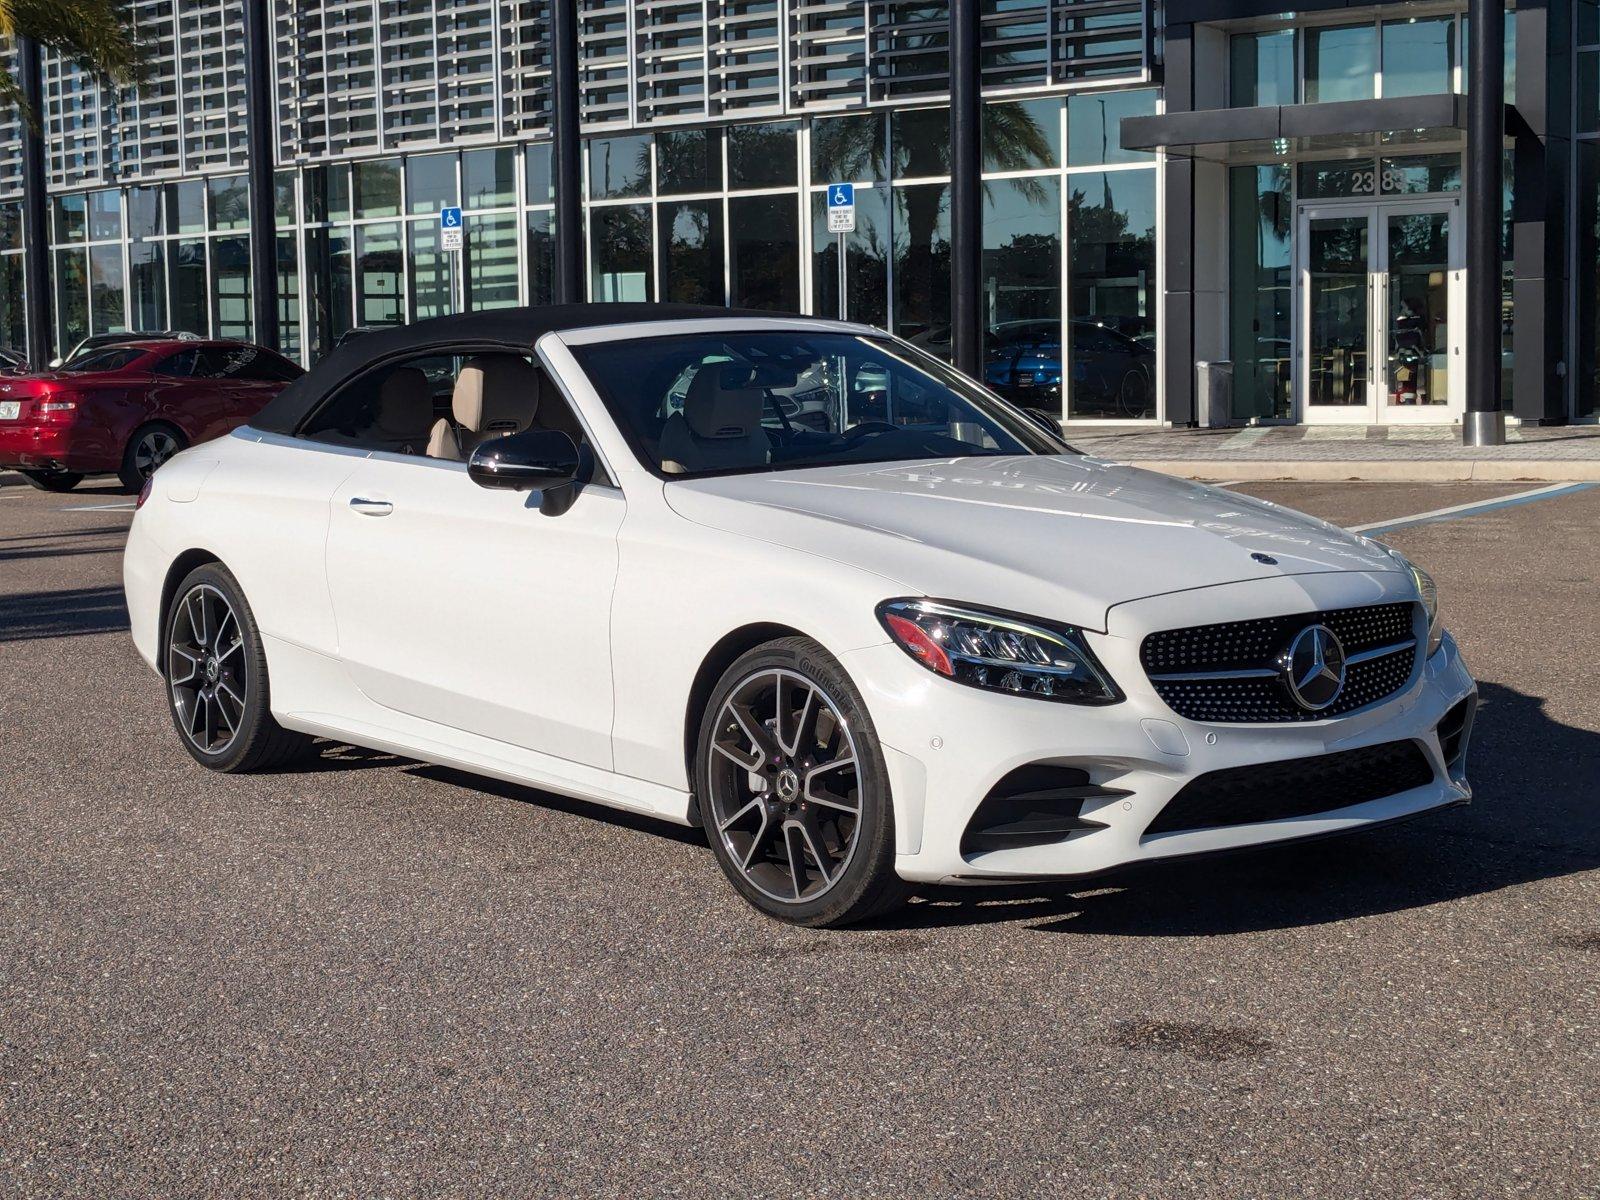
(1484, 423)
(966, 189)
(261, 135)
(35, 211)
(568, 173)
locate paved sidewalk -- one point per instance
(1377, 452)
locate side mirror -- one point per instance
(545, 459)
(1045, 422)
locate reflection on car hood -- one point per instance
(1055, 536)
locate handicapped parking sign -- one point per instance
(841, 208)
(450, 226)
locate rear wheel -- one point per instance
(217, 688)
(794, 791)
(147, 449)
(53, 481)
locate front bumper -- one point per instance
(948, 745)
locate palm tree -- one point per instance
(89, 33)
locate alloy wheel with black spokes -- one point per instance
(217, 685)
(206, 669)
(149, 447)
(793, 792)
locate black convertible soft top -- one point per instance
(512, 329)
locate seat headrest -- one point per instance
(496, 393)
(405, 403)
(720, 405)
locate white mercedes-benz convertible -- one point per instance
(795, 582)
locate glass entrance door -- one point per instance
(1380, 320)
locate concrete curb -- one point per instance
(1382, 471)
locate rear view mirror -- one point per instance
(545, 459)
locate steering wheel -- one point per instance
(866, 427)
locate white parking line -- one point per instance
(1549, 492)
(121, 506)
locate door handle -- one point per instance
(371, 508)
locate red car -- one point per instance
(127, 408)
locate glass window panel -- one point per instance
(1111, 224)
(230, 203)
(70, 222)
(1094, 127)
(72, 298)
(1586, 389)
(1341, 63)
(378, 280)
(377, 189)
(230, 265)
(145, 212)
(620, 251)
(690, 237)
(689, 160)
(619, 166)
(921, 140)
(148, 285)
(922, 265)
(288, 297)
(541, 257)
(430, 183)
(867, 253)
(10, 226)
(1022, 137)
(433, 272)
(339, 303)
(491, 256)
(490, 177)
(108, 298)
(105, 215)
(1419, 56)
(13, 305)
(1261, 69)
(850, 149)
(1332, 180)
(1588, 22)
(764, 252)
(761, 156)
(337, 192)
(540, 181)
(1421, 173)
(1260, 278)
(186, 207)
(1021, 280)
(283, 206)
(189, 305)
(1511, 57)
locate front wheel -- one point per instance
(793, 788)
(216, 670)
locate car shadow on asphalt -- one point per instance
(1534, 816)
(72, 612)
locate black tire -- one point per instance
(224, 685)
(1132, 395)
(858, 844)
(149, 447)
(53, 481)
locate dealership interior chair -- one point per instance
(495, 395)
(720, 425)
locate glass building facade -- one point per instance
(710, 130)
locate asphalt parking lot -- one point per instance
(372, 977)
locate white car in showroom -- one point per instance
(911, 637)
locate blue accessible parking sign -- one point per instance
(841, 208)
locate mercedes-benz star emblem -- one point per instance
(1313, 667)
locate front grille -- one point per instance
(1299, 787)
(1229, 672)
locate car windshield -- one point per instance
(720, 403)
(110, 358)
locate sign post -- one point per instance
(842, 220)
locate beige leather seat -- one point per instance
(405, 409)
(495, 395)
(720, 425)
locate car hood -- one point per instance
(1058, 536)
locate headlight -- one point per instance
(999, 652)
(1428, 593)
